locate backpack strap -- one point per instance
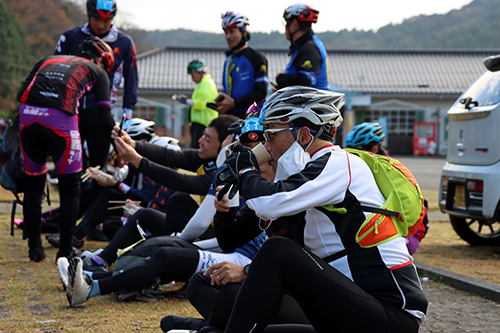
(337, 255)
(353, 207)
(378, 211)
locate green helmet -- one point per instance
(196, 65)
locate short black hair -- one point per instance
(221, 125)
(328, 129)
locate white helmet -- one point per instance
(320, 107)
(234, 20)
(166, 141)
(139, 129)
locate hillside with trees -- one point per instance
(474, 26)
(34, 29)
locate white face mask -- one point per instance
(291, 162)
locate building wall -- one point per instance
(434, 110)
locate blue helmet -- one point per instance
(363, 134)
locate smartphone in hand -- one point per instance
(212, 105)
(121, 124)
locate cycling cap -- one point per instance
(139, 129)
(252, 131)
(302, 12)
(319, 107)
(234, 20)
(363, 134)
(196, 65)
(166, 141)
(104, 9)
(93, 47)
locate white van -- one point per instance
(470, 182)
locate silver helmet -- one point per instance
(320, 107)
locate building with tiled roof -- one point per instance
(400, 87)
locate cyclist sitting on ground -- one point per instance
(213, 292)
(332, 277)
(178, 262)
(156, 222)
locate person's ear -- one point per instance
(305, 136)
(375, 149)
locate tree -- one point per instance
(15, 61)
(44, 22)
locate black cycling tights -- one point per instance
(215, 302)
(151, 221)
(331, 301)
(69, 194)
(98, 211)
(169, 263)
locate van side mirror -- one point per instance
(492, 63)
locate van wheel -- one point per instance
(476, 231)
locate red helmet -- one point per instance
(94, 47)
(302, 12)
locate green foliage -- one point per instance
(45, 21)
(14, 56)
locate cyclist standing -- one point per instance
(100, 15)
(48, 124)
(308, 64)
(244, 79)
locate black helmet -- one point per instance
(104, 9)
(94, 47)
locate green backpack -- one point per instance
(403, 211)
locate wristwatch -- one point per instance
(246, 269)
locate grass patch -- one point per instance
(32, 299)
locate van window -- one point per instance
(485, 91)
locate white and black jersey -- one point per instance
(331, 181)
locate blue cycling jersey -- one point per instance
(125, 62)
(245, 78)
(308, 64)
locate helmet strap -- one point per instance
(243, 41)
(296, 136)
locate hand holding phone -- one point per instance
(121, 124)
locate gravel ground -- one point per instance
(451, 310)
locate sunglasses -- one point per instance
(268, 133)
